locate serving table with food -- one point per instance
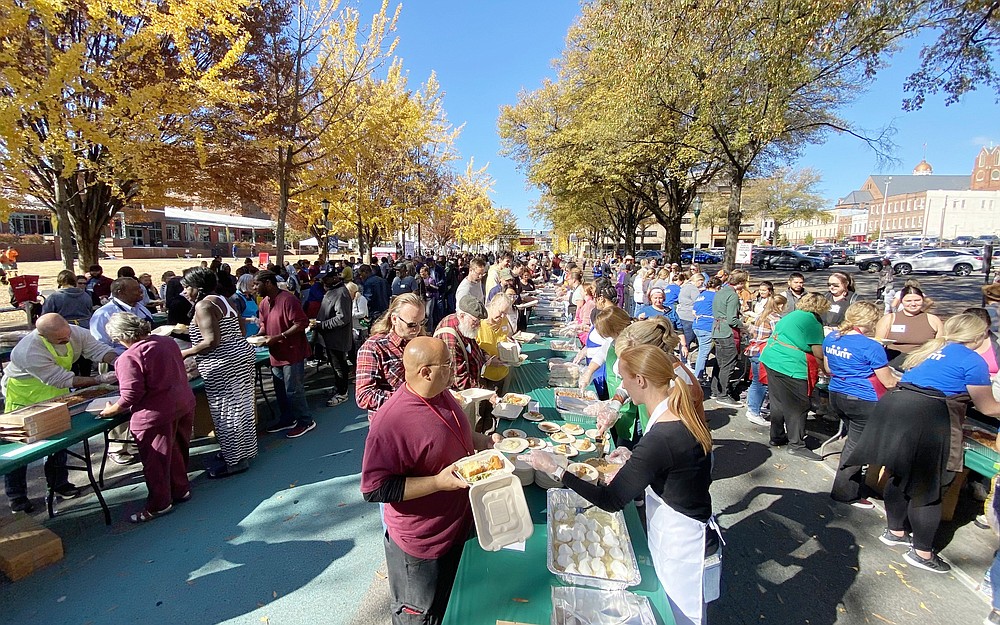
(578, 559)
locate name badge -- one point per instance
(835, 308)
(898, 328)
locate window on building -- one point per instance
(173, 232)
(29, 223)
(204, 234)
(156, 233)
(995, 175)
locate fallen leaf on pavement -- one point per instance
(882, 618)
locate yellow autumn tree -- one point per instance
(97, 94)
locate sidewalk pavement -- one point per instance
(292, 542)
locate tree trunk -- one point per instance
(284, 189)
(63, 227)
(734, 217)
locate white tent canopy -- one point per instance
(310, 242)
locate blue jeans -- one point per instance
(290, 391)
(704, 347)
(688, 329)
(757, 391)
(995, 567)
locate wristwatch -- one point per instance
(558, 473)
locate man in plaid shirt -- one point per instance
(459, 331)
(380, 358)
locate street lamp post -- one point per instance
(325, 203)
(885, 202)
(694, 233)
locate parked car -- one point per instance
(790, 259)
(962, 241)
(702, 256)
(826, 257)
(842, 256)
(986, 239)
(957, 261)
(657, 254)
(869, 261)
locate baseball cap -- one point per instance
(471, 305)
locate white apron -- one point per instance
(677, 546)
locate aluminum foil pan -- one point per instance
(583, 606)
(564, 497)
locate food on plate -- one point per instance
(548, 427)
(565, 450)
(476, 470)
(511, 445)
(591, 434)
(514, 433)
(533, 416)
(584, 445)
(517, 400)
(584, 472)
(982, 438)
(562, 437)
(536, 443)
(572, 428)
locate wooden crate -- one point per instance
(36, 422)
(26, 546)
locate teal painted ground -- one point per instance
(290, 541)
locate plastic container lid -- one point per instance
(500, 512)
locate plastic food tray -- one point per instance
(563, 497)
(971, 425)
(574, 606)
(571, 408)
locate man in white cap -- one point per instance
(459, 332)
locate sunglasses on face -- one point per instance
(410, 325)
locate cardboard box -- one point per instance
(26, 546)
(36, 422)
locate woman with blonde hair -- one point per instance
(608, 325)
(496, 329)
(660, 333)
(859, 376)
(791, 359)
(760, 331)
(915, 433)
(672, 464)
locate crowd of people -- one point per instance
(656, 343)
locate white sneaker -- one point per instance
(756, 419)
(336, 400)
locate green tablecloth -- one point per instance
(83, 426)
(517, 586)
(980, 463)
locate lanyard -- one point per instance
(457, 433)
(138, 312)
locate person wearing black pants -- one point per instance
(334, 330)
(725, 334)
(789, 407)
(849, 483)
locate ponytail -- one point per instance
(965, 328)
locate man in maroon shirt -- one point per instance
(284, 323)
(409, 464)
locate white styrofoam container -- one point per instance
(500, 511)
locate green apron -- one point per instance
(625, 426)
(31, 390)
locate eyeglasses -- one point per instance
(410, 325)
(439, 364)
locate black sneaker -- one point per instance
(888, 538)
(21, 504)
(728, 402)
(935, 564)
(777, 442)
(66, 491)
(299, 430)
(278, 426)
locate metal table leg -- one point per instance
(841, 433)
(260, 383)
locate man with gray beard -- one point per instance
(459, 332)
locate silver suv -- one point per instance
(959, 262)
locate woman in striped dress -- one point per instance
(226, 363)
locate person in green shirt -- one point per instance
(798, 336)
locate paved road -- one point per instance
(292, 542)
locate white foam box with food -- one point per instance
(26, 546)
(497, 497)
(35, 422)
(509, 352)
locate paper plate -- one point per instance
(511, 445)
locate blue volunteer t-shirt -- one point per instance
(671, 294)
(650, 312)
(853, 358)
(703, 317)
(950, 370)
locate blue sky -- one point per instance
(485, 51)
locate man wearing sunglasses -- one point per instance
(380, 358)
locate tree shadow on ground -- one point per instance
(735, 457)
(794, 567)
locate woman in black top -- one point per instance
(672, 463)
